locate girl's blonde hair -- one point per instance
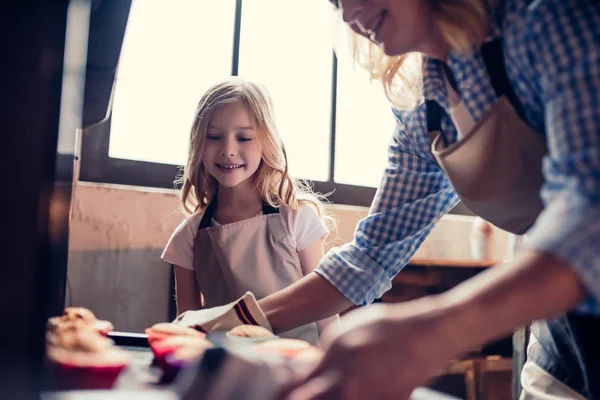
(462, 23)
(272, 179)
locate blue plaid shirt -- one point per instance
(552, 57)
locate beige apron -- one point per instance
(496, 170)
(253, 255)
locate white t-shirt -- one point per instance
(303, 225)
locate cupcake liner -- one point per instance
(65, 376)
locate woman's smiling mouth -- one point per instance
(372, 30)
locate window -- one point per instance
(364, 125)
(335, 124)
(165, 66)
(295, 64)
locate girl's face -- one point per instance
(397, 26)
(232, 152)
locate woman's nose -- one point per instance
(351, 9)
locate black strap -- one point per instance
(434, 116)
(208, 214)
(210, 210)
(493, 57)
(268, 209)
(450, 77)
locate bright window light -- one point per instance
(294, 61)
(364, 126)
(172, 52)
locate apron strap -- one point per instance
(207, 217)
(434, 116)
(268, 209)
(493, 58)
(210, 210)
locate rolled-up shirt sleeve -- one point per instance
(565, 43)
(413, 194)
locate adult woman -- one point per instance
(484, 133)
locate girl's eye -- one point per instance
(213, 137)
(244, 139)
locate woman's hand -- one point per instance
(381, 352)
(385, 351)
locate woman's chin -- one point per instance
(391, 50)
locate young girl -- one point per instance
(251, 227)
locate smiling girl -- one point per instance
(251, 227)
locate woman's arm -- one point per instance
(426, 332)
(186, 289)
(534, 286)
(564, 59)
(413, 195)
(310, 299)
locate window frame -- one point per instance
(98, 167)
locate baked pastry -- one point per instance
(180, 358)
(72, 337)
(79, 354)
(79, 317)
(111, 358)
(81, 358)
(176, 351)
(250, 331)
(169, 345)
(164, 330)
(285, 347)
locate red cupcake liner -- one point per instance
(73, 377)
(161, 351)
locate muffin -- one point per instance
(250, 331)
(171, 344)
(164, 330)
(73, 337)
(81, 358)
(79, 317)
(285, 347)
(180, 352)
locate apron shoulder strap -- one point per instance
(268, 209)
(207, 217)
(434, 116)
(493, 57)
(434, 121)
(209, 212)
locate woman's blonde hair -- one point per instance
(272, 179)
(462, 23)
